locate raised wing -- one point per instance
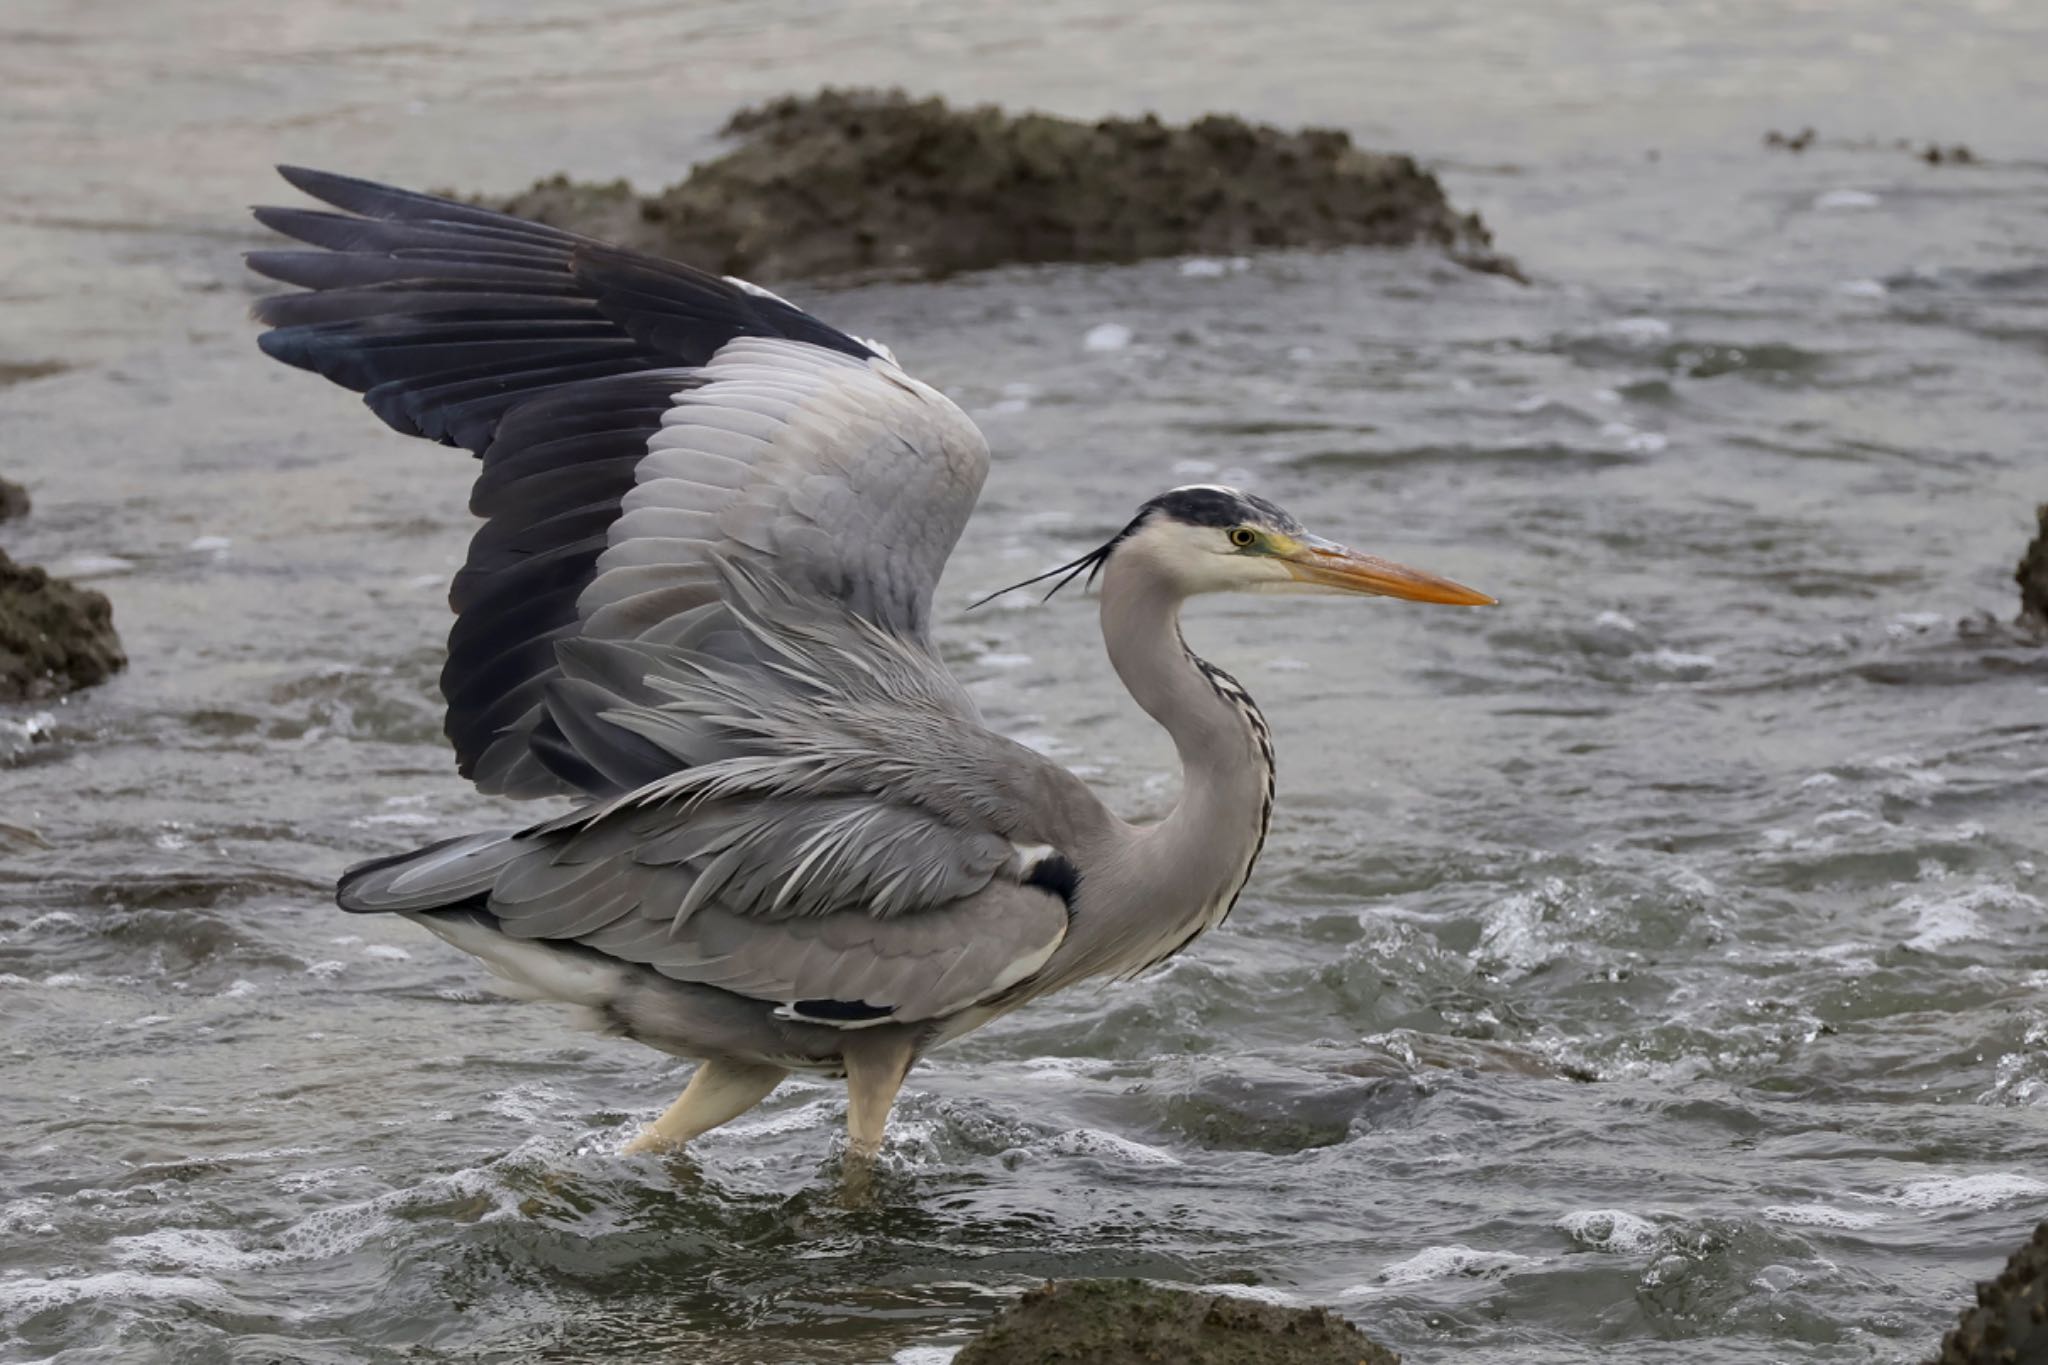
(639, 422)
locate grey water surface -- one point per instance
(1652, 968)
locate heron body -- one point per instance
(699, 609)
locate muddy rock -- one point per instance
(54, 635)
(875, 184)
(1128, 1322)
(2008, 1325)
(13, 500)
(2032, 576)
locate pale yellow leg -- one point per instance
(718, 1092)
(875, 1068)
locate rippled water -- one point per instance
(1655, 967)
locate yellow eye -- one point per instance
(1242, 537)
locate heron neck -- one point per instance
(1141, 628)
(1206, 845)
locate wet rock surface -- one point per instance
(1128, 1322)
(2032, 576)
(2008, 1325)
(54, 635)
(872, 183)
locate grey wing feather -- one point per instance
(844, 831)
(791, 900)
(842, 477)
(837, 477)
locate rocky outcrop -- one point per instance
(1129, 1322)
(13, 500)
(870, 183)
(2032, 576)
(54, 635)
(2008, 1325)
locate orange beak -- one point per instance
(1329, 565)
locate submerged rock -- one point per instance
(2032, 576)
(54, 635)
(13, 500)
(2008, 1325)
(1128, 1322)
(869, 182)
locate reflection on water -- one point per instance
(1656, 965)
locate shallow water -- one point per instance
(1656, 966)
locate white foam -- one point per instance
(1107, 336)
(802, 1119)
(25, 1296)
(387, 952)
(203, 1249)
(209, 544)
(29, 728)
(1614, 1230)
(1092, 1142)
(1846, 199)
(28, 1215)
(320, 1236)
(925, 1355)
(1967, 1191)
(530, 1102)
(1640, 329)
(92, 566)
(1675, 663)
(1862, 289)
(1524, 931)
(1444, 1263)
(1820, 1216)
(1257, 1293)
(1957, 917)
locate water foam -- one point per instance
(1446, 1263)
(1959, 916)
(1816, 1215)
(26, 1296)
(1987, 1191)
(1093, 1142)
(1615, 1230)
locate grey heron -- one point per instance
(699, 608)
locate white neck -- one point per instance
(1194, 862)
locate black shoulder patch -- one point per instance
(840, 1011)
(1055, 872)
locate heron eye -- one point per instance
(1242, 537)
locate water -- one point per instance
(1655, 966)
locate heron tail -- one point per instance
(440, 876)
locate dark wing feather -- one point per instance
(446, 315)
(638, 421)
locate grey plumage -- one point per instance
(700, 606)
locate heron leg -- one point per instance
(875, 1068)
(718, 1092)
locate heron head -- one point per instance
(1208, 538)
